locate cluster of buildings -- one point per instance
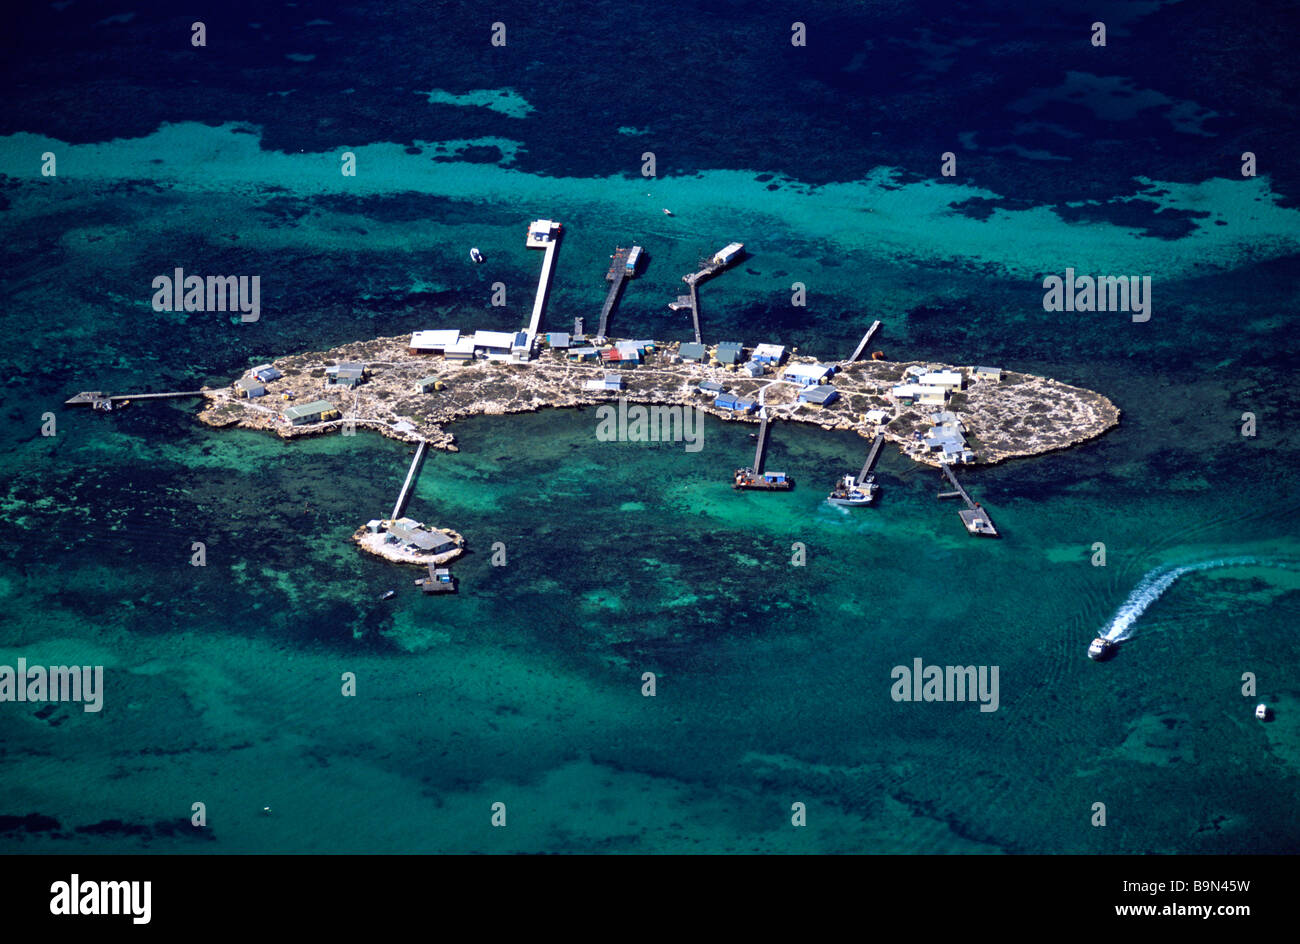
(253, 385)
(410, 535)
(947, 438)
(923, 386)
(813, 379)
(510, 346)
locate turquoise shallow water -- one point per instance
(773, 680)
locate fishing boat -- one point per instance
(851, 493)
(1102, 649)
(387, 594)
(475, 254)
(667, 212)
(762, 481)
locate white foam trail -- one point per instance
(1157, 581)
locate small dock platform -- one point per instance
(756, 478)
(866, 339)
(439, 580)
(974, 516)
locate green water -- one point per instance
(772, 679)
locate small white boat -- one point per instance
(667, 212)
(1101, 649)
(1261, 711)
(388, 594)
(475, 254)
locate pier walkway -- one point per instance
(405, 495)
(871, 458)
(866, 339)
(708, 268)
(102, 401)
(617, 275)
(546, 235)
(975, 517)
(759, 449)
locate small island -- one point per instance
(934, 413)
(412, 389)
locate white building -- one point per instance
(462, 350)
(541, 232)
(807, 374)
(727, 253)
(494, 342)
(433, 342)
(951, 379)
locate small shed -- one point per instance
(558, 339)
(347, 374)
(249, 387)
(989, 373)
(265, 373)
(728, 352)
(690, 351)
(301, 414)
(426, 384)
(819, 395)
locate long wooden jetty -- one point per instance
(872, 456)
(866, 339)
(973, 516)
(695, 312)
(759, 449)
(545, 235)
(103, 401)
(405, 495)
(617, 276)
(708, 268)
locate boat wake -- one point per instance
(1157, 581)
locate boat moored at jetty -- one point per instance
(850, 493)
